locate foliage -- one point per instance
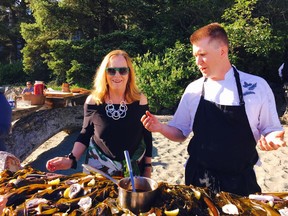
(252, 42)
(12, 73)
(163, 77)
(75, 61)
(253, 34)
(12, 13)
(65, 41)
(65, 60)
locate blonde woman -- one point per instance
(111, 124)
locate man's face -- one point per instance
(208, 55)
(28, 85)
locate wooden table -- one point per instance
(62, 99)
(53, 100)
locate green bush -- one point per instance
(163, 78)
(12, 74)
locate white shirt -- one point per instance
(258, 97)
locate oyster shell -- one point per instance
(9, 161)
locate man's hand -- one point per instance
(151, 123)
(272, 141)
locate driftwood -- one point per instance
(24, 112)
(29, 132)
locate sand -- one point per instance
(169, 159)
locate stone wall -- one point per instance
(29, 132)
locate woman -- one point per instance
(111, 124)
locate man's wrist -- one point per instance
(74, 161)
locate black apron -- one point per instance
(223, 149)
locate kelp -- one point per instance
(31, 192)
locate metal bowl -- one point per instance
(140, 201)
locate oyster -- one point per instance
(28, 192)
(75, 189)
(9, 161)
(85, 203)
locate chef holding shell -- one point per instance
(229, 112)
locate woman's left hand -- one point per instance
(58, 163)
(272, 141)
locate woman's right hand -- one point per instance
(58, 163)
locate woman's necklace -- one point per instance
(116, 114)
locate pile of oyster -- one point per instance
(31, 192)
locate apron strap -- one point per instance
(238, 83)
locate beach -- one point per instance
(169, 159)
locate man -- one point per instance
(283, 74)
(5, 119)
(29, 89)
(228, 112)
(283, 69)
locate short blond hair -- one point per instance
(100, 88)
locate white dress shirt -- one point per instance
(258, 97)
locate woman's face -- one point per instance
(117, 81)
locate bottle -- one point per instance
(38, 88)
(11, 102)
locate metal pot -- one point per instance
(137, 202)
(141, 200)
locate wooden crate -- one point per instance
(35, 99)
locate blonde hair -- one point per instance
(100, 88)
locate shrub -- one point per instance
(12, 73)
(163, 78)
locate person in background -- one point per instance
(111, 124)
(283, 69)
(283, 74)
(5, 119)
(29, 89)
(280, 69)
(229, 112)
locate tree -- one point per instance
(12, 13)
(251, 37)
(277, 13)
(62, 37)
(69, 38)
